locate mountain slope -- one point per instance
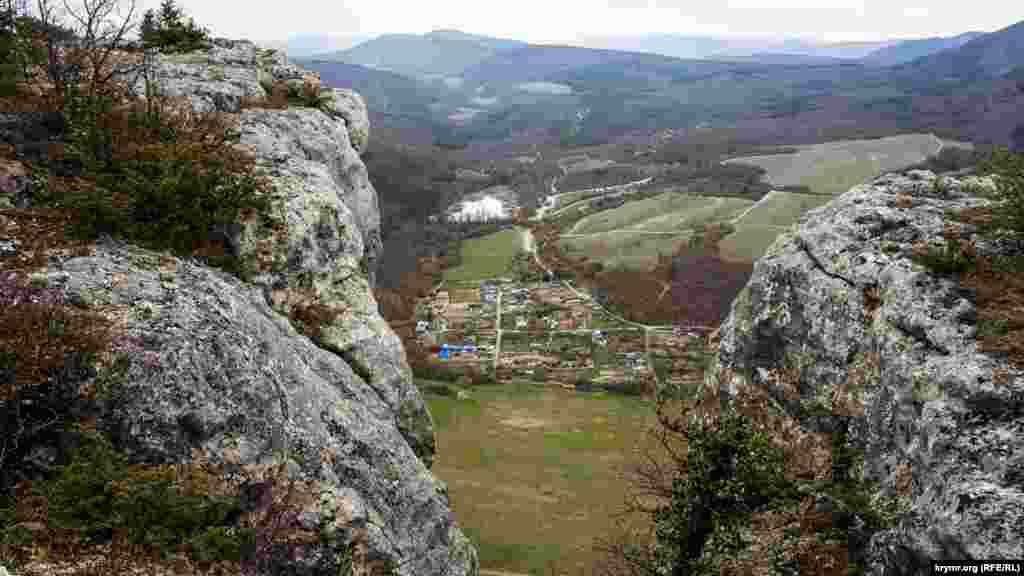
(487, 41)
(384, 91)
(913, 49)
(442, 52)
(559, 63)
(988, 56)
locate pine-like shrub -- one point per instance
(171, 31)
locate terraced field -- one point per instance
(668, 212)
(629, 249)
(780, 209)
(748, 243)
(633, 234)
(835, 167)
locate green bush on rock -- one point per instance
(170, 31)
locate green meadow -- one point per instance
(535, 473)
(485, 257)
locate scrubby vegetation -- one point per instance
(954, 159)
(91, 500)
(994, 282)
(150, 170)
(725, 496)
(171, 179)
(186, 518)
(159, 175)
(1008, 217)
(693, 285)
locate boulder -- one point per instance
(214, 370)
(837, 309)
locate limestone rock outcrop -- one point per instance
(223, 365)
(214, 369)
(838, 307)
(234, 71)
(324, 244)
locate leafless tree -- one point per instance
(102, 27)
(97, 29)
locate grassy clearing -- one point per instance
(625, 250)
(781, 209)
(721, 210)
(485, 257)
(748, 243)
(835, 167)
(687, 210)
(534, 472)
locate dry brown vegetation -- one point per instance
(994, 282)
(111, 173)
(786, 530)
(700, 285)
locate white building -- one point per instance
(482, 210)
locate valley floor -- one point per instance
(536, 474)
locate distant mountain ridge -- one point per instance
(721, 47)
(449, 52)
(909, 50)
(440, 52)
(990, 55)
(452, 87)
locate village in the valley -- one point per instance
(550, 333)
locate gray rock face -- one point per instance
(838, 303)
(326, 205)
(206, 350)
(215, 359)
(324, 245)
(220, 78)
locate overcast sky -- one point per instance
(563, 21)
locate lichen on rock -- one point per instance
(879, 330)
(238, 358)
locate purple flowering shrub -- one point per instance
(46, 350)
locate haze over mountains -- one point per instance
(447, 51)
(986, 56)
(455, 89)
(908, 50)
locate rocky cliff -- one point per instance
(839, 325)
(215, 366)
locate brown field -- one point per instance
(464, 295)
(535, 472)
